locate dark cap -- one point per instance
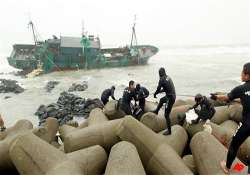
(131, 82)
(198, 97)
(246, 68)
(138, 86)
(162, 72)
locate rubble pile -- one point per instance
(67, 107)
(7, 86)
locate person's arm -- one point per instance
(235, 93)
(158, 88)
(146, 93)
(195, 106)
(112, 94)
(222, 97)
(212, 112)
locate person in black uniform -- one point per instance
(165, 85)
(106, 94)
(129, 94)
(206, 111)
(142, 93)
(242, 92)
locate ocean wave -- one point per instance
(207, 50)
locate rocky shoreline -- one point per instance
(110, 142)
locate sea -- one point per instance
(193, 69)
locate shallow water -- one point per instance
(193, 70)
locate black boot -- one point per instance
(156, 111)
(168, 122)
(167, 132)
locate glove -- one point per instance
(155, 95)
(194, 121)
(213, 96)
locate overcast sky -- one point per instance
(159, 22)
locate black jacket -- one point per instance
(206, 111)
(128, 96)
(107, 93)
(142, 93)
(166, 85)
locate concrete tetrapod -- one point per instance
(84, 124)
(192, 129)
(124, 159)
(181, 102)
(230, 125)
(235, 112)
(208, 152)
(64, 130)
(21, 127)
(150, 106)
(177, 140)
(157, 156)
(33, 156)
(189, 161)
(96, 116)
(104, 135)
(48, 131)
(158, 122)
(224, 135)
(111, 111)
(224, 113)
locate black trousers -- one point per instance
(126, 108)
(168, 107)
(240, 136)
(105, 100)
(142, 103)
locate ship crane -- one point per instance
(31, 24)
(134, 40)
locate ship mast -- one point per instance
(33, 31)
(133, 34)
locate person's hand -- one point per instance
(194, 121)
(213, 96)
(155, 96)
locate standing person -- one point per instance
(128, 95)
(242, 92)
(165, 85)
(106, 94)
(142, 93)
(206, 111)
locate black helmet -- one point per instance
(162, 72)
(198, 97)
(112, 87)
(138, 87)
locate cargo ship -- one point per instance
(85, 52)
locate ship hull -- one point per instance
(28, 57)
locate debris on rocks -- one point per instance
(79, 87)
(10, 86)
(51, 85)
(67, 107)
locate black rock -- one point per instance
(10, 86)
(79, 87)
(51, 85)
(67, 107)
